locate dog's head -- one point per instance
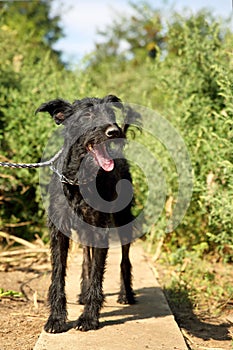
(91, 126)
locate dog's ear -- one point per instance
(59, 109)
(114, 100)
(132, 118)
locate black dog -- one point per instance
(92, 160)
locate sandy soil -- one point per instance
(23, 318)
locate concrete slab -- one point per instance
(149, 324)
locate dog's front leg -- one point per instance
(57, 299)
(94, 298)
(86, 273)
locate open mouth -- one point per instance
(101, 156)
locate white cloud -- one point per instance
(81, 19)
(88, 16)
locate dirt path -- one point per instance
(21, 320)
(146, 325)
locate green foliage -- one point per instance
(199, 88)
(10, 293)
(189, 81)
(135, 39)
(32, 19)
(30, 73)
(196, 283)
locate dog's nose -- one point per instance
(112, 131)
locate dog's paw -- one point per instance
(55, 325)
(126, 299)
(84, 323)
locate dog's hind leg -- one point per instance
(126, 295)
(57, 299)
(94, 296)
(86, 274)
(123, 221)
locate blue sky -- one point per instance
(81, 19)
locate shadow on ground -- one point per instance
(182, 309)
(145, 308)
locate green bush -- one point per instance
(30, 73)
(189, 81)
(199, 103)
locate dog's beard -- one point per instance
(102, 156)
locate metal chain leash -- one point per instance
(49, 163)
(32, 165)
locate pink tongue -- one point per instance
(103, 158)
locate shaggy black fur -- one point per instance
(88, 123)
